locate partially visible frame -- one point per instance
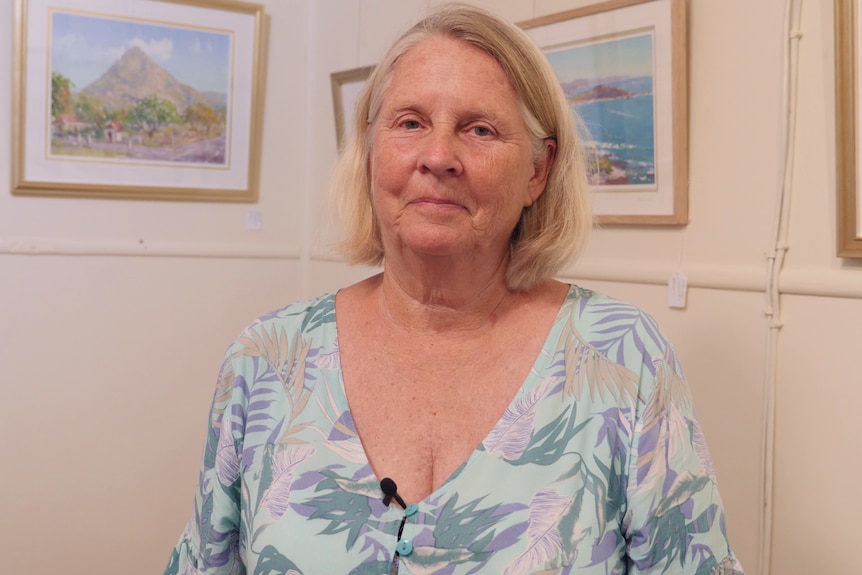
(848, 102)
(346, 87)
(622, 64)
(185, 126)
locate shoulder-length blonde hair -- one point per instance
(553, 230)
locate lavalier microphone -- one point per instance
(390, 491)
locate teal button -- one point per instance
(404, 547)
(411, 509)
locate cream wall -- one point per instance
(114, 314)
(113, 322)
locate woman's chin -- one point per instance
(453, 239)
(439, 244)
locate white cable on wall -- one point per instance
(775, 262)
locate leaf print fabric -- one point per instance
(598, 465)
(511, 436)
(277, 497)
(545, 542)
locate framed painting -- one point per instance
(622, 65)
(141, 99)
(346, 87)
(848, 103)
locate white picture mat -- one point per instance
(38, 167)
(350, 92)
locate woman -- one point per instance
(531, 426)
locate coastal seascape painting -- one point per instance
(138, 99)
(622, 67)
(609, 85)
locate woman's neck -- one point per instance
(443, 297)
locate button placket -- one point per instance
(403, 547)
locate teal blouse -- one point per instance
(598, 466)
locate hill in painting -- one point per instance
(585, 90)
(135, 75)
(600, 93)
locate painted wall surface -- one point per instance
(108, 359)
(114, 314)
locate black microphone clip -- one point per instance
(390, 491)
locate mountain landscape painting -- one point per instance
(609, 84)
(135, 91)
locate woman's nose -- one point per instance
(440, 153)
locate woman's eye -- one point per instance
(410, 124)
(481, 131)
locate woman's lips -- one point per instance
(443, 202)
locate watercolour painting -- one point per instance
(609, 84)
(158, 94)
(150, 100)
(621, 64)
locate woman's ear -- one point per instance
(541, 171)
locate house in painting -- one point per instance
(114, 131)
(70, 124)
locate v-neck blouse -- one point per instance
(597, 466)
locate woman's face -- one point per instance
(451, 164)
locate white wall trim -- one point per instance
(32, 246)
(829, 283)
(803, 282)
(710, 276)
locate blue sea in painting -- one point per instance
(623, 133)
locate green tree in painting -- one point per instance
(92, 111)
(201, 117)
(152, 113)
(61, 95)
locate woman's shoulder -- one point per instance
(618, 329)
(591, 303)
(304, 318)
(306, 314)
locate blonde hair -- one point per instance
(553, 230)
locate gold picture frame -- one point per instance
(138, 99)
(623, 65)
(346, 87)
(847, 150)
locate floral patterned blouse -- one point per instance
(598, 466)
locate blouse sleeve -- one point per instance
(675, 520)
(210, 542)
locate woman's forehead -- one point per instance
(447, 67)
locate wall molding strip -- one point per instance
(31, 246)
(803, 282)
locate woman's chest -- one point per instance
(419, 419)
(544, 489)
(312, 503)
